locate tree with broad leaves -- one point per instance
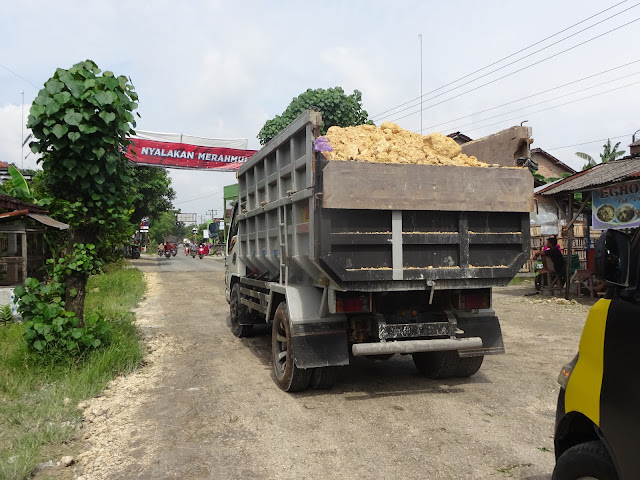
(609, 154)
(153, 193)
(337, 109)
(81, 120)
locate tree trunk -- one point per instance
(77, 281)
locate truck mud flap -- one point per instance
(487, 328)
(320, 345)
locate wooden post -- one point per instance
(569, 248)
(24, 257)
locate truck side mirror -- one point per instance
(612, 258)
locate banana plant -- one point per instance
(17, 187)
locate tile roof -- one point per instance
(461, 136)
(619, 170)
(552, 158)
(10, 203)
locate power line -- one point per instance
(550, 108)
(516, 71)
(515, 61)
(199, 197)
(549, 100)
(587, 143)
(513, 54)
(19, 76)
(536, 94)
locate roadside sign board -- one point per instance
(617, 206)
(186, 217)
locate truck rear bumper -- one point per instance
(415, 346)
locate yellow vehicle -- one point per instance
(598, 415)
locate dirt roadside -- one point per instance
(205, 405)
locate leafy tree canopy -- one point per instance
(153, 193)
(336, 107)
(165, 224)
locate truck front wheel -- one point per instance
(288, 377)
(238, 313)
(437, 365)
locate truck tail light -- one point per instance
(352, 304)
(475, 299)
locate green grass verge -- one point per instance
(522, 280)
(38, 402)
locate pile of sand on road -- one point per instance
(390, 143)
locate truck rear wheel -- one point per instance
(323, 378)
(288, 377)
(239, 313)
(437, 365)
(469, 366)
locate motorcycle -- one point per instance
(538, 279)
(186, 250)
(200, 252)
(174, 251)
(167, 253)
(135, 251)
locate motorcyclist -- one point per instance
(160, 248)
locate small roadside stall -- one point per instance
(22, 249)
(610, 195)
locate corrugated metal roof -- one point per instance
(48, 221)
(598, 176)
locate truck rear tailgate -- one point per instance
(407, 225)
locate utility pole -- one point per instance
(22, 133)
(420, 37)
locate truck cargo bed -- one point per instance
(372, 226)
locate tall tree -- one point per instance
(609, 154)
(337, 109)
(82, 120)
(153, 192)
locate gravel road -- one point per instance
(205, 406)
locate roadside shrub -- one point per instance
(6, 316)
(53, 331)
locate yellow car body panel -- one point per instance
(583, 390)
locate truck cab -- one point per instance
(598, 415)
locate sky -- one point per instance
(221, 69)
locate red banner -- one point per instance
(183, 155)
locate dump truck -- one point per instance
(353, 258)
